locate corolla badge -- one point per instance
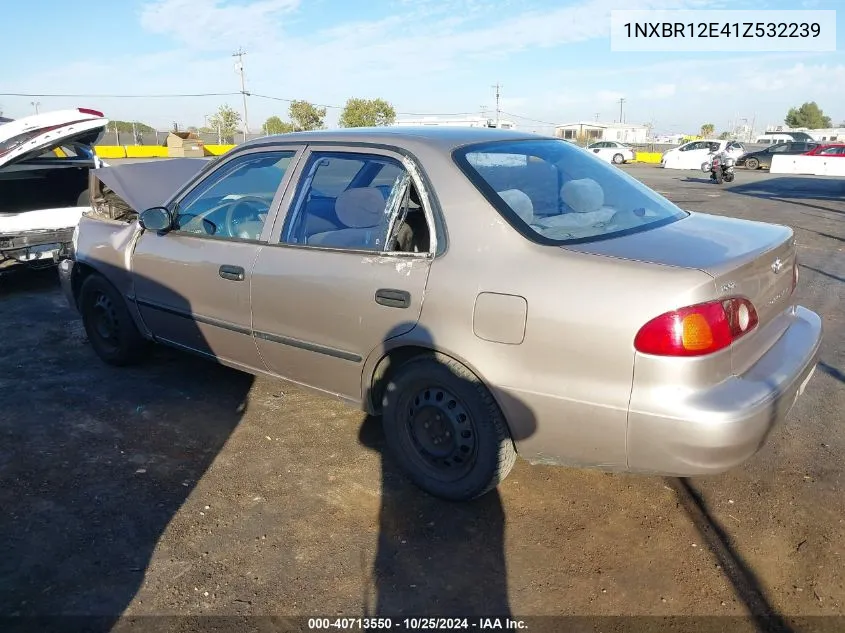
(777, 266)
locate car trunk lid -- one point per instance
(32, 136)
(746, 259)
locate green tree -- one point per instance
(724, 136)
(225, 122)
(367, 113)
(707, 129)
(274, 125)
(809, 115)
(126, 126)
(306, 116)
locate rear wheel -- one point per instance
(719, 177)
(108, 324)
(752, 163)
(84, 199)
(729, 177)
(446, 429)
(618, 159)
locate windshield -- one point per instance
(554, 193)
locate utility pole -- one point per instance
(35, 104)
(239, 68)
(621, 101)
(597, 116)
(497, 87)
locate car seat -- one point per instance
(361, 210)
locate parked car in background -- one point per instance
(483, 291)
(612, 151)
(762, 159)
(44, 165)
(691, 155)
(828, 149)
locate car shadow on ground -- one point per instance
(747, 586)
(95, 460)
(796, 191)
(436, 557)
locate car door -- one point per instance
(192, 283)
(331, 286)
(693, 154)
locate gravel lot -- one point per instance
(180, 487)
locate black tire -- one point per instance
(718, 178)
(752, 163)
(108, 324)
(469, 450)
(729, 177)
(618, 159)
(84, 199)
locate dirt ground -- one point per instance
(183, 488)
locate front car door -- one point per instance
(192, 283)
(346, 269)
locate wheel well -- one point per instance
(385, 369)
(81, 272)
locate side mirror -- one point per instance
(155, 219)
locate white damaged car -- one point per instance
(45, 161)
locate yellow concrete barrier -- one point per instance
(110, 151)
(146, 151)
(217, 150)
(647, 157)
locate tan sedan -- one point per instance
(486, 292)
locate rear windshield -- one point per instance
(554, 192)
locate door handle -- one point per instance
(393, 298)
(232, 273)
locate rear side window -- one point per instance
(554, 193)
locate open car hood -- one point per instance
(150, 183)
(31, 136)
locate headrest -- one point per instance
(520, 203)
(583, 196)
(360, 208)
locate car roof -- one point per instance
(442, 138)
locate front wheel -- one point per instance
(618, 159)
(108, 324)
(752, 163)
(445, 429)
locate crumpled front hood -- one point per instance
(150, 183)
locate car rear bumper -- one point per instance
(672, 432)
(34, 248)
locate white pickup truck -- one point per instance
(45, 161)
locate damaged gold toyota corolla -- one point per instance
(484, 291)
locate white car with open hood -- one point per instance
(45, 161)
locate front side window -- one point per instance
(554, 193)
(357, 202)
(234, 201)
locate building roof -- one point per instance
(597, 124)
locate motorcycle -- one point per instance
(721, 167)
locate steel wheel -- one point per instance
(442, 433)
(105, 321)
(618, 159)
(752, 163)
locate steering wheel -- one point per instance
(243, 203)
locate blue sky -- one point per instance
(552, 58)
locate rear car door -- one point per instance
(192, 284)
(333, 283)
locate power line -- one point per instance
(498, 111)
(246, 93)
(108, 96)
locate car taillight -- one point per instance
(90, 111)
(697, 330)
